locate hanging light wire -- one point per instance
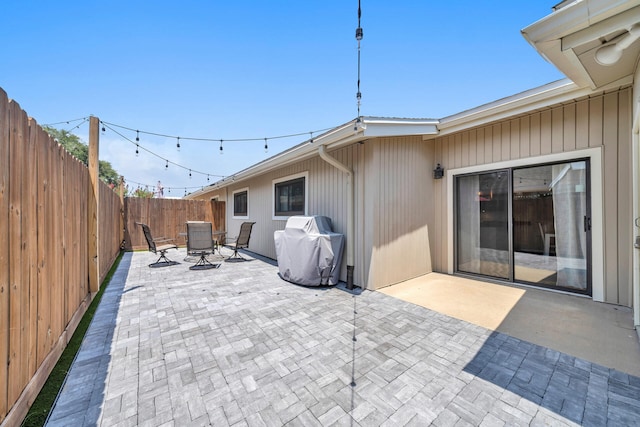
(359, 35)
(84, 119)
(184, 138)
(158, 156)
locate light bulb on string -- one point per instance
(310, 137)
(137, 151)
(166, 167)
(266, 147)
(185, 192)
(207, 178)
(178, 143)
(221, 149)
(189, 173)
(137, 136)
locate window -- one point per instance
(241, 203)
(290, 196)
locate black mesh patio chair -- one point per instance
(158, 246)
(200, 242)
(242, 241)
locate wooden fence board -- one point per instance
(167, 218)
(16, 306)
(32, 245)
(4, 250)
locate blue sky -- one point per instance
(254, 69)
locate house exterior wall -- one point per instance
(600, 121)
(326, 195)
(398, 206)
(392, 186)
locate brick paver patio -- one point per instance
(238, 346)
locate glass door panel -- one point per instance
(551, 225)
(483, 224)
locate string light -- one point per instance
(160, 157)
(310, 137)
(84, 119)
(111, 125)
(140, 184)
(359, 35)
(189, 173)
(107, 125)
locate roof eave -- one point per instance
(551, 36)
(346, 134)
(558, 92)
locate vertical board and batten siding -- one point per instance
(392, 206)
(399, 199)
(327, 192)
(44, 287)
(603, 121)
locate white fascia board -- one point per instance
(540, 97)
(340, 136)
(573, 18)
(400, 127)
(559, 92)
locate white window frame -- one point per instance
(304, 175)
(233, 203)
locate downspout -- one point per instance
(350, 217)
(635, 286)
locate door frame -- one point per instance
(597, 210)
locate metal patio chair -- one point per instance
(242, 241)
(200, 242)
(161, 249)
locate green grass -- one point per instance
(41, 407)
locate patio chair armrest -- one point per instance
(163, 240)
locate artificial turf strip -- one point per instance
(41, 407)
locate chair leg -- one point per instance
(203, 263)
(236, 254)
(163, 261)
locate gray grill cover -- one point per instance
(309, 252)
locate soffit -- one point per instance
(570, 37)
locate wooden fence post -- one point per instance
(122, 223)
(93, 199)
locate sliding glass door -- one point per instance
(483, 224)
(529, 224)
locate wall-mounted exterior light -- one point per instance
(438, 172)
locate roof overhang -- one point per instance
(559, 92)
(571, 37)
(356, 130)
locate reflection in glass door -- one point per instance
(483, 224)
(528, 224)
(551, 225)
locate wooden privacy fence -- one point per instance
(44, 246)
(167, 218)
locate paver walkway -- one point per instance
(239, 346)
